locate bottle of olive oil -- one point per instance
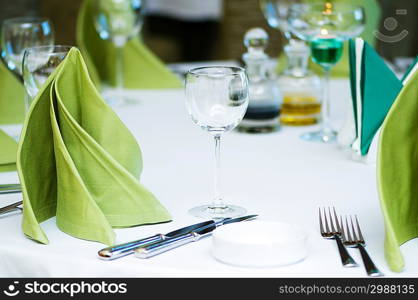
(301, 89)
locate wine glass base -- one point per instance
(321, 136)
(210, 212)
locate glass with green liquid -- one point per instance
(326, 51)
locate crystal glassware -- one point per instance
(38, 64)
(118, 21)
(217, 99)
(325, 26)
(21, 33)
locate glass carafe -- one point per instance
(301, 88)
(265, 98)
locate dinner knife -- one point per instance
(124, 249)
(193, 236)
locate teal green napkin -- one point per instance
(12, 93)
(77, 161)
(397, 172)
(142, 69)
(374, 87)
(8, 149)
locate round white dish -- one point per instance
(259, 244)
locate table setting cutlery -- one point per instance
(182, 239)
(352, 237)
(330, 228)
(117, 251)
(164, 242)
(10, 188)
(11, 207)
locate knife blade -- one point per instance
(117, 251)
(159, 247)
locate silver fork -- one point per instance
(334, 232)
(354, 239)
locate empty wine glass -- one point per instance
(118, 21)
(38, 64)
(21, 33)
(325, 26)
(217, 99)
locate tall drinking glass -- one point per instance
(217, 99)
(325, 26)
(21, 33)
(38, 64)
(118, 21)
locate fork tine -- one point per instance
(348, 230)
(326, 220)
(359, 231)
(343, 235)
(331, 221)
(321, 227)
(336, 221)
(354, 230)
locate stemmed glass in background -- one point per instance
(217, 99)
(38, 63)
(275, 12)
(18, 34)
(325, 26)
(118, 21)
(21, 33)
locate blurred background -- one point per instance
(198, 30)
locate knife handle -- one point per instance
(168, 244)
(120, 250)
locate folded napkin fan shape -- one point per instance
(77, 161)
(397, 171)
(12, 93)
(374, 88)
(141, 68)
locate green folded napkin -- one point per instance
(77, 161)
(12, 93)
(374, 87)
(8, 149)
(141, 68)
(397, 172)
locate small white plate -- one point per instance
(259, 244)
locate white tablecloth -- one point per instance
(278, 176)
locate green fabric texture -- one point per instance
(8, 149)
(77, 161)
(12, 93)
(142, 69)
(397, 173)
(373, 13)
(379, 87)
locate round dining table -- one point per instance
(277, 176)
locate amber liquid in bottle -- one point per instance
(299, 110)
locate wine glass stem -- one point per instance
(217, 201)
(119, 70)
(326, 125)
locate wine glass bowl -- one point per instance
(118, 20)
(308, 21)
(21, 33)
(217, 99)
(39, 63)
